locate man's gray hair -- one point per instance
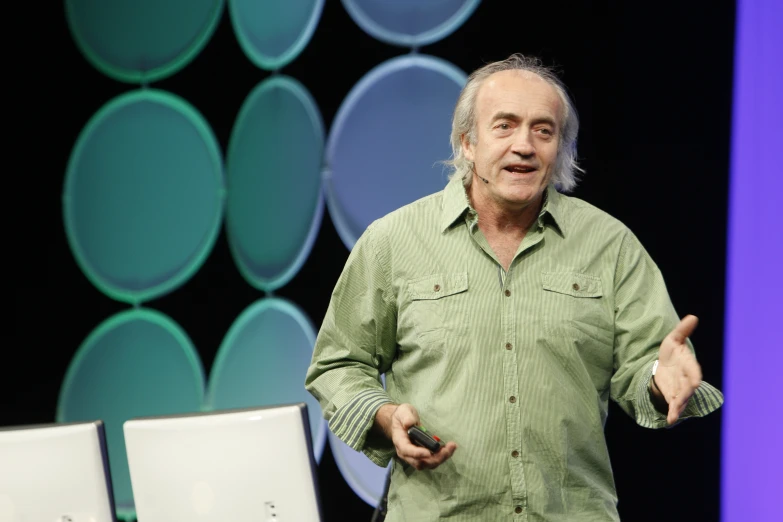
(564, 176)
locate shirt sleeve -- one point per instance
(355, 345)
(644, 316)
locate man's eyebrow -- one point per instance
(505, 116)
(544, 119)
(515, 117)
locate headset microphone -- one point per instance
(473, 168)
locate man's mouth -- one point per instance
(519, 169)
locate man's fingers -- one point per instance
(444, 454)
(691, 371)
(676, 407)
(425, 459)
(679, 401)
(406, 415)
(408, 450)
(433, 460)
(684, 329)
(675, 410)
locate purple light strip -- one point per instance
(752, 460)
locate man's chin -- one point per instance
(524, 195)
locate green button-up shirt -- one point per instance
(516, 367)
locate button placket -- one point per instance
(511, 385)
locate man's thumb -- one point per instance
(685, 328)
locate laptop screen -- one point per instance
(55, 472)
(244, 465)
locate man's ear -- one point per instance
(467, 147)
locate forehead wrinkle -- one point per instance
(491, 91)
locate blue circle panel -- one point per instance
(410, 22)
(273, 165)
(263, 361)
(142, 40)
(387, 139)
(143, 196)
(134, 364)
(365, 478)
(272, 33)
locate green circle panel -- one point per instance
(272, 33)
(136, 363)
(141, 40)
(143, 197)
(263, 361)
(273, 172)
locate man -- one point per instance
(504, 315)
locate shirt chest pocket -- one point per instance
(574, 306)
(437, 306)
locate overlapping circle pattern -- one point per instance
(387, 138)
(140, 41)
(410, 23)
(136, 363)
(274, 170)
(263, 360)
(143, 195)
(272, 33)
(147, 189)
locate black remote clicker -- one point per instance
(420, 437)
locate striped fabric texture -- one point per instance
(516, 367)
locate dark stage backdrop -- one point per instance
(652, 84)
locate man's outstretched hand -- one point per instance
(678, 375)
(394, 420)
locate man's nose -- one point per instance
(523, 145)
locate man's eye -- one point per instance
(548, 132)
(504, 126)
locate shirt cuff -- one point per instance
(352, 423)
(705, 400)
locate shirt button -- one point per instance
(437, 288)
(518, 509)
(508, 293)
(576, 287)
(508, 346)
(512, 399)
(515, 454)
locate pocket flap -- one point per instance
(572, 283)
(438, 285)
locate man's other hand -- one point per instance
(395, 420)
(678, 375)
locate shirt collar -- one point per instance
(552, 209)
(456, 203)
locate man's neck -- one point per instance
(498, 218)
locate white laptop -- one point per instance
(55, 473)
(253, 464)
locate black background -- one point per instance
(652, 84)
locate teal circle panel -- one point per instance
(410, 23)
(143, 196)
(263, 361)
(134, 364)
(388, 139)
(139, 41)
(274, 203)
(365, 478)
(272, 33)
